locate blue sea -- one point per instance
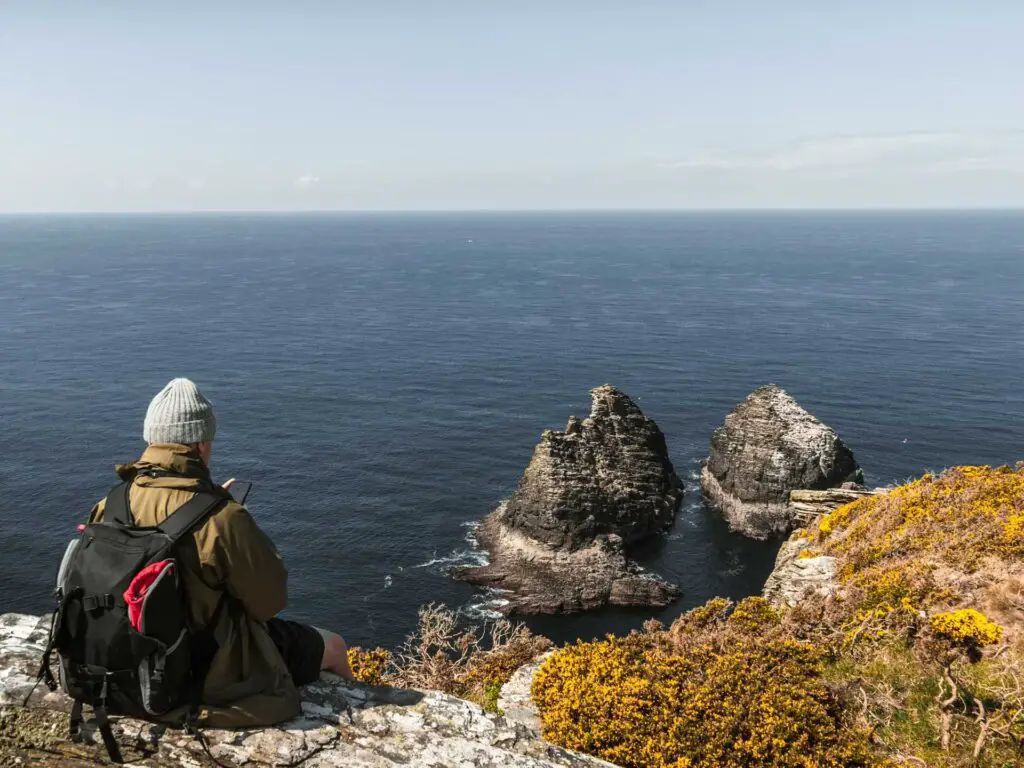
(383, 378)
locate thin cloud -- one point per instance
(910, 151)
(1004, 164)
(308, 180)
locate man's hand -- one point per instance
(228, 484)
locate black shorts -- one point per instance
(301, 647)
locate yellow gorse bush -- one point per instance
(740, 694)
(369, 666)
(964, 513)
(890, 547)
(966, 627)
(753, 614)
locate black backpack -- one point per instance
(104, 661)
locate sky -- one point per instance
(563, 104)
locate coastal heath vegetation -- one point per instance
(917, 658)
(724, 686)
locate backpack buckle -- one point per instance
(98, 602)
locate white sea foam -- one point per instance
(479, 612)
(689, 517)
(455, 558)
(479, 555)
(473, 556)
(734, 563)
(485, 608)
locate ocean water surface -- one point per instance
(383, 378)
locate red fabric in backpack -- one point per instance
(135, 595)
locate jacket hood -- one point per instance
(173, 457)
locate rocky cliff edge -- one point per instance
(389, 727)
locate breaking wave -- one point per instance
(485, 606)
(472, 556)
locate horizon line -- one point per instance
(738, 209)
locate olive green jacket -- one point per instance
(227, 560)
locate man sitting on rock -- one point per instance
(234, 578)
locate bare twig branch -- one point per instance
(982, 720)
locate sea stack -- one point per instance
(559, 544)
(768, 447)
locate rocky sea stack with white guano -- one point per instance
(769, 446)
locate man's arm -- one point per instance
(247, 562)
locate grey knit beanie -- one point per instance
(179, 414)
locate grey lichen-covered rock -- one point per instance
(515, 700)
(560, 542)
(798, 573)
(797, 578)
(389, 727)
(768, 447)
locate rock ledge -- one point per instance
(391, 727)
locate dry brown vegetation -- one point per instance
(470, 662)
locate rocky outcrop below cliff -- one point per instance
(388, 727)
(797, 577)
(560, 543)
(800, 574)
(768, 447)
(516, 699)
(806, 506)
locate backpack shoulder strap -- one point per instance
(117, 509)
(190, 514)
